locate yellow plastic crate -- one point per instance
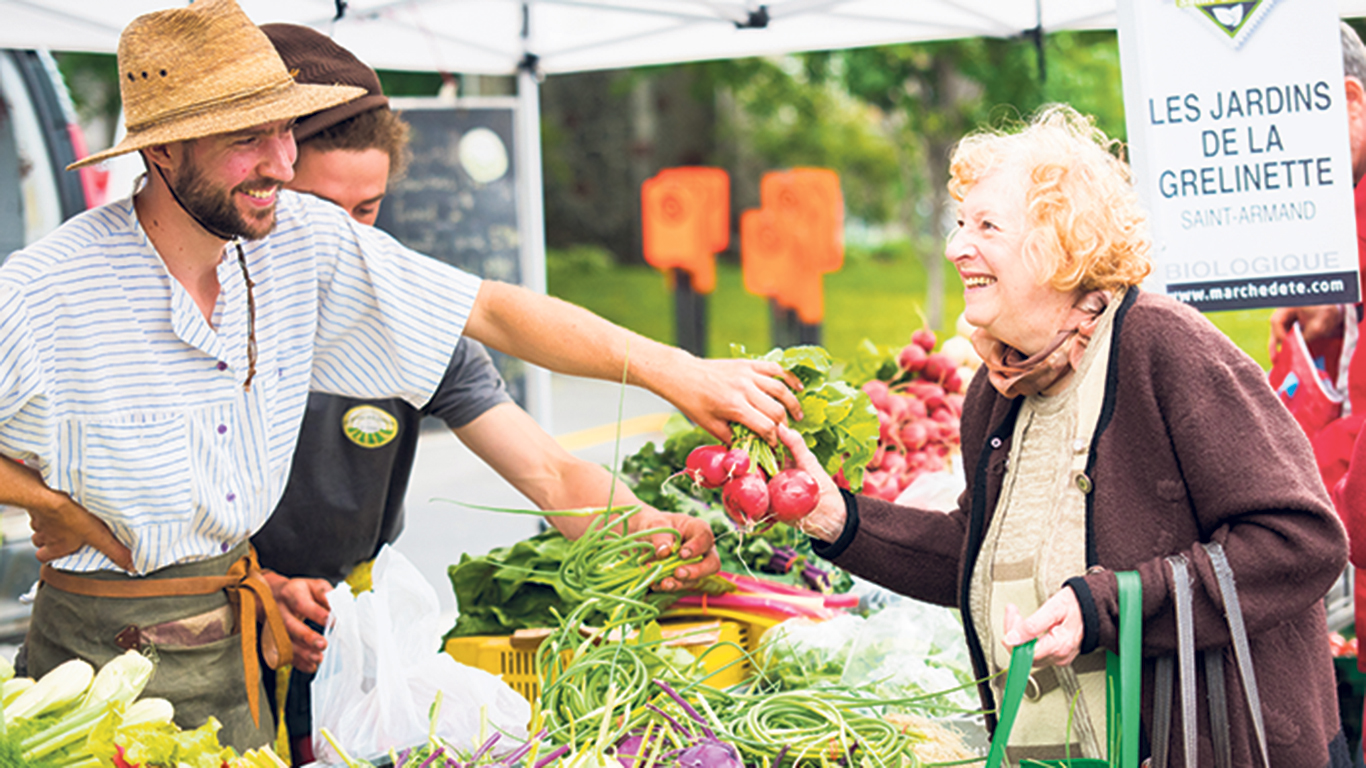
(752, 626)
(513, 658)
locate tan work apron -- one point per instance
(197, 621)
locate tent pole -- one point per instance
(531, 212)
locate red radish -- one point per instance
(745, 499)
(877, 392)
(912, 357)
(955, 403)
(880, 485)
(924, 338)
(704, 466)
(897, 407)
(915, 408)
(937, 368)
(841, 480)
(923, 389)
(935, 403)
(914, 436)
(953, 382)
(878, 453)
(735, 462)
(885, 429)
(893, 463)
(792, 494)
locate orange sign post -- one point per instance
(685, 221)
(788, 245)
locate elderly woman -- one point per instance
(1109, 428)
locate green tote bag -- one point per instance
(1123, 674)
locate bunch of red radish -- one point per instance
(749, 497)
(918, 412)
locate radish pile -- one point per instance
(751, 498)
(918, 412)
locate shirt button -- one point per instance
(222, 366)
(232, 496)
(222, 429)
(226, 547)
(995, 442)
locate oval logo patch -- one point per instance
(369, 427)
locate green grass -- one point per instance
(878, 298)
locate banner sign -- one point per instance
(1238, 142)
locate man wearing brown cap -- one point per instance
(344, 498)
(156, 356)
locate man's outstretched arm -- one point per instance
(569, 339)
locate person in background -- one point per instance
(156, 355)
(1108, 429)
(344, 499)
(1333, 331)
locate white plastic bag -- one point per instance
(383, 667)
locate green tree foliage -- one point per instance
(886, 118)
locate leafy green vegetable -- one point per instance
(869, 361)
(838, 421)
(527, 584)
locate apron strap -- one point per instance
(247, 591)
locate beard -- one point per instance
(215, 208)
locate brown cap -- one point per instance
(203, 70)
(315, 59)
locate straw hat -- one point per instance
(202, 70)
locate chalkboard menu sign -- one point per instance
(458, 200)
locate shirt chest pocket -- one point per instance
(137, 470)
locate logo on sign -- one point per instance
(369, 427)
(1234, 20)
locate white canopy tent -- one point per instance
(532, 38)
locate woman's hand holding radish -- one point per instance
(695, 539)
(1057, 624)
(302, 600)
(826, 521)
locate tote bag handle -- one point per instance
(1123, 676)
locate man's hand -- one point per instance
(1057, 624)
(1321, 322)
(714, 393)
(300, 600)
(60, 525)
(66, 526)
(696, 538)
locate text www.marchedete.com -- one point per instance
(1263, 292)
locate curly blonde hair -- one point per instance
(1086, 228)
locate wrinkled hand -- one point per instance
(299, 600)
(826, 521)
(1320, 322)
(65, 526)
(696, 538)
(1057, 624)
(713, 393)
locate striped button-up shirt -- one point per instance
(117, 390)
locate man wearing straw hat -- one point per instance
(156, 355)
